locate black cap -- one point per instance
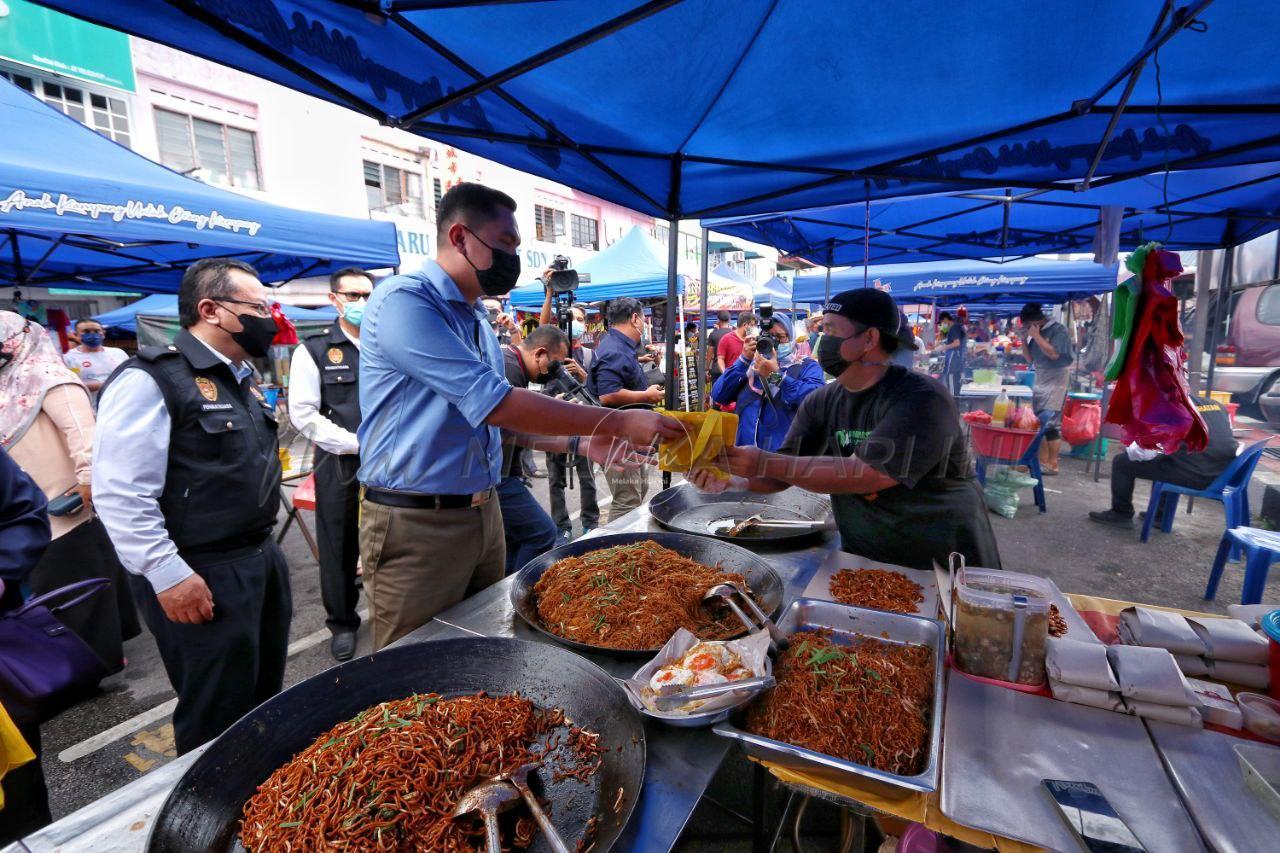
(1031, 311)
(872, 308)
(906, 336)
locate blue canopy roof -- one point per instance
(166, 305)
(775, 291)
(697, 108)
(959, 282)
(635, 266)
(77, 209)
(1201, 209)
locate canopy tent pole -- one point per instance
(1221, 308)
(683, 368)
(1200, 325)
(673, 239)
(830, 253)
(704, 335)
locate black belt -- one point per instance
(415, 500)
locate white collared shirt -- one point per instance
(304, 405)
(130, 457)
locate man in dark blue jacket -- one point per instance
(767, 390)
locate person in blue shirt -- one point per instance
(433, 397)
(953, 352)
(767, 390)
(618, 380)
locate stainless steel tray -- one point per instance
(820, 585)
(808, 614)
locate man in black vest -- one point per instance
(324, 404)
(186, 478)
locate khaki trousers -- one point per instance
(628, 489)
(419, 562)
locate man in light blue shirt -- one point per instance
(433, 396)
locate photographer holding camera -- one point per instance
(768, 382)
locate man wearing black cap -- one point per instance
(883, 441)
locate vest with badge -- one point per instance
(222, 481)
(338, 362)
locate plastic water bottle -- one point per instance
(1000, 411)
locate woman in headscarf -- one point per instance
(46, 425)
(767, 383)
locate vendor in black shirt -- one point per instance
(884, 442)
(1193, 470)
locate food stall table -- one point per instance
(680, 762)
(972, 394)
(1204, 769)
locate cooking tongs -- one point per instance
(730, 594)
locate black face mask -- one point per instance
(502, 274)
(829, 354)
(256, 334)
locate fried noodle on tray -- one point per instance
(389, 778)
(878, 588)
(631, 597)
(867, 702)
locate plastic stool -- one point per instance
(1259, 548)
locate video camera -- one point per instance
(766, 343)
(563, 278)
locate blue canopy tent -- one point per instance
(965, 282)
(774, 291)
(166, 305)
(1201, 209)
(79, 210)
(633, 266)
(630, 100)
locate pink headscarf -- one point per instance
(35, 368)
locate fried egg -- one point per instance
(671, 678)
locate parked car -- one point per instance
(1247, 360)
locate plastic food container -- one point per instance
(1261, 768)
(1001, 623)
(1261, 714)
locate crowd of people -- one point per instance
(426, 404)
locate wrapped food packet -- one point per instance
(707, 434)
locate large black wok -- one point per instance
(685, 509)
(203, 811)
(763, 580)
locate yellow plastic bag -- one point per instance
(707, 434)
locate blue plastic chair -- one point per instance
(1030, 458)
(1260, 548)
(1231, 489)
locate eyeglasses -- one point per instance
(351, 294)
(261, 309)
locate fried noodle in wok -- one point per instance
(866, 702)
(389, 778)
(631, 597)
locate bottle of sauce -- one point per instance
(1000, 411)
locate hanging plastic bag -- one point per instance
(1025, 419)
(1083, 425)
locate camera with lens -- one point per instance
(563, 278)
(766, 345)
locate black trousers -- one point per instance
(557, 480)
(224, 668)
(338, 537)
(1168, 469)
